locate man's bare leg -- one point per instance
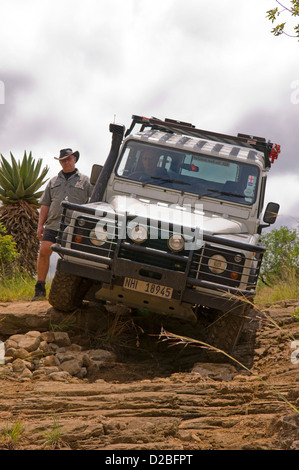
(43, 263)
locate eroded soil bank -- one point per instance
(156, 395)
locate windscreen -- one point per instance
(201, 174)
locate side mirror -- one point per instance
(271, 213)
(95, 173)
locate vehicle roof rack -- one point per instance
(269, 149)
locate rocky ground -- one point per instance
(104, 379)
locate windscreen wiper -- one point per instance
(166, 180)
(225, 193)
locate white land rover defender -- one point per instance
(172, 227)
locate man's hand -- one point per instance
(40, 231)
(43, 213)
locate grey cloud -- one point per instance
(202, 22)
(279, 125)
(15, 85)
(22, 129)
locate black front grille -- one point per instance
(241, 266)
(238, 267)
(231, 275)
(81, 239)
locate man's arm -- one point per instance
(43, 214)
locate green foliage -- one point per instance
(280, 290)
(281, 259)
(296, 313)
(21, 180)
(20, 183)
(12, 435)
(274, 13)
(8, 252)
(19, 285)
(54, 437)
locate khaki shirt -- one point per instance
(76, 188)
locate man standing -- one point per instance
(71, 185)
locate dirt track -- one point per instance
(153, 398)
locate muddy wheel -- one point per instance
(67, 291)
(223, 333)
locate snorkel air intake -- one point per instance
(101, 183)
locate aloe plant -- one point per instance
(20, 184)
(21, 180)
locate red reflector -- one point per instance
(234, 276)
(274, 153)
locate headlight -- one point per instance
(217, 264)
(98, 236)
(176, 242)
(81, 222)
(137, 233)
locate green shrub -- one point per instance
(8, 252)
(281, 260)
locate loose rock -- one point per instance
(224, 372)
(40, 355)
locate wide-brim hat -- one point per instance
(64, 153)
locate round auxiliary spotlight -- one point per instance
(137, 233)
(176, 242)
(217, 264)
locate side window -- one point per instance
(129, 161)
(121, 170)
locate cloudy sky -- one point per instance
(68, 68)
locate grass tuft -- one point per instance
(18, 287)
(12, 435)
(54, 436)
(287, 289)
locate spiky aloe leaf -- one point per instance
(20, 192)
(6, 167)
(12, 195)
(15, 170)
(5, 182)
(23, 168)
(21, 180)
(5, 200)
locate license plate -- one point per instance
(148, 288)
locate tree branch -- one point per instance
(284, 8)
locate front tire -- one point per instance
(67, 291)
(223, 334)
